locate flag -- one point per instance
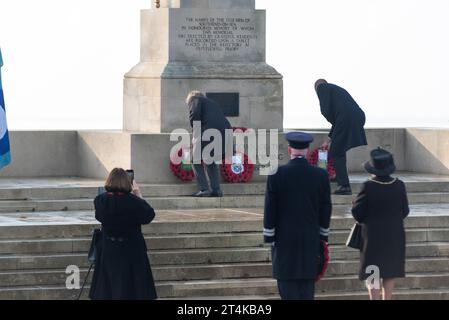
(5, 155)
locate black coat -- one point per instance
(297, 210)
(211, 116)
(123, 270)
(381, 208)
(346, 117)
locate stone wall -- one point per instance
(95, 153)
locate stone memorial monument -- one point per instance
(216, 46)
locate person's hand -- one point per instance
(325, 144)
(136, 190)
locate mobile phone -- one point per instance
(130, 173)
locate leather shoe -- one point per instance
(201, 194)
(343, 191)
(216, 194)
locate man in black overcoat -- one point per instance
(297, 216)
(210, 115)
(347, 119)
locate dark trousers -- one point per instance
(303, 289)
(201, 179)
(340, 170)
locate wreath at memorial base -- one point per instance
(240, 171)
(183, 171)
(313, 160)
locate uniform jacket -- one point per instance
(346, 117)
(297, 211)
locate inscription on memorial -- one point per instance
(215, 34)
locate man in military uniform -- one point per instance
(297, 216)
(347, 119)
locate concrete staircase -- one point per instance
(214, 251)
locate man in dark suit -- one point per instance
(210, 115)
(297, 216)
(347, 119)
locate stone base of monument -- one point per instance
(201, 249)
(92, 154)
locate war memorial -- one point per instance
(201, 248)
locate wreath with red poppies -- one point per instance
(313, 160)
(184, 170)
(240, 170)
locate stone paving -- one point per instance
(64, 182)
(202, 215)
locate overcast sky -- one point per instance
(65, 59)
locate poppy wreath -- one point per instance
(238, 173)
(182, 171)
(313, 160)
(323, 260)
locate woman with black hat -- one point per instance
(381, 208)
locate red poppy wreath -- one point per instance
(313, 160)
(240, 170)
(184, 170)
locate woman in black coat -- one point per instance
(381, 208)
(123, 270)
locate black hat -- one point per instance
(299, 140)
(381, 163)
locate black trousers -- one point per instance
(212, 172)
(341, 170)
(302, 289)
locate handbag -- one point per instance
(92, 256)
(355, 237)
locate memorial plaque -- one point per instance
(223, 34)
(228, 101)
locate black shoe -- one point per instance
(216, 194)
(201, 194)
(343, 191)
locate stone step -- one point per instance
(412, 235)
(413, 250)
(161, 273)
(268, 286)
(405, 294)
(166, 203)
(169, 257)
(344, 261)
(337, 269)
(194, 241)
(399, 294)
(67, 225)
(435, 284)
(75, 224)
(78, 188)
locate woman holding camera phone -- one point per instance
(123, 270)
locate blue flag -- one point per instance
(5, 155)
